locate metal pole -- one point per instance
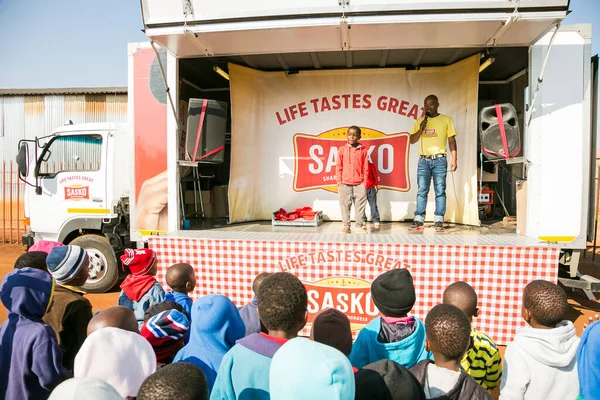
(596, 213)
(3, 201)
(19, 221)
(10, 202)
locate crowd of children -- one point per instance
(165, 346)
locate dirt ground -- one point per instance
(581, 309)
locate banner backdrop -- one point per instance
(286, 130)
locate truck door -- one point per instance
(559, 137)
(72, 182)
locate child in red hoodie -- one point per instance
(140, 290)
(351, 172)
(372, 189)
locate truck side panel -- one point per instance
(559, 139)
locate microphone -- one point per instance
(427, 114)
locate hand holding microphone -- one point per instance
(424, 122)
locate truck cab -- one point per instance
(77, 193)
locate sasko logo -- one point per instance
(77, 192)
(352, 296)
(316, 156)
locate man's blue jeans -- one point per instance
(428, 169)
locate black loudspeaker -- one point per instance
(205, 133)
(499, 132)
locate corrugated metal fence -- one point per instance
(30, 116)
(11, 203)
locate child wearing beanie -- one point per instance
(332, 327)
(165, 331)
(395, 336)
(140, 290)
(71, 312)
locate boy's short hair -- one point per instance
(178, 275)
(33, 259)
(259, 280)
(181, 381)
(463, 296)
(282, 301)
(546, 302)
(356, 129)
(164, 306)
(116, 317)
(448, 331)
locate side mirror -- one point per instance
(23, 159)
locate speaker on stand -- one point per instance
(499, 132)
(500, 140)
(204, 142)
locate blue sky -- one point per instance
(83, 43)
(67, 43)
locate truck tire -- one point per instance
(104, 269)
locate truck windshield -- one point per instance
(71, 153)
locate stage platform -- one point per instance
(337, 269)
(389, 232)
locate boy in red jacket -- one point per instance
(352, 170)
(372, 189)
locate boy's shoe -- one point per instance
(439, 226)
(376, 225)
(346, 229)
(417, 226)
(361, 229)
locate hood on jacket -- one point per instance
(216, 324)
(27, 292)
(121, 358)
(406, 352)
(304, 369)
(387, 380)
(588, 362)
(84, 388)
(555, 347)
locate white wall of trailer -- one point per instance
(559, 137)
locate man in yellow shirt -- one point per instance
(432, 132)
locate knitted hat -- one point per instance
(332, 327)
(387, 380)
(139, 261)
(45, 246)
(65, 262)
(165, 332)
(393, 292)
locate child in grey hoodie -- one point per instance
(541, 362)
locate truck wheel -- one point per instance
(104, 270)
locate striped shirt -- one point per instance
(483, 361)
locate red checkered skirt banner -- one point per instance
(338, 275)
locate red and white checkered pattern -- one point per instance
(497, 273)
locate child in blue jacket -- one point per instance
(395, 336)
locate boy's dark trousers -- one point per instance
(372, 199)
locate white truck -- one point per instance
(547, 73)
